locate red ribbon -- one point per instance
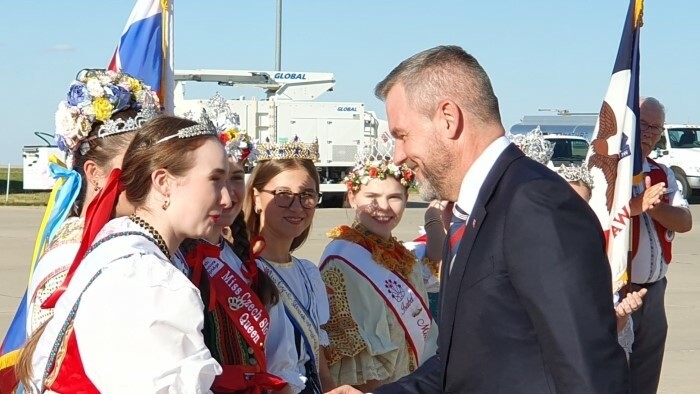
(8, 379)
(239, 378)
(195, 261)
(98, 213)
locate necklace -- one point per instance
(389, 253)
(159, 240)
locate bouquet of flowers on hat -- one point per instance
(95, 96)
(374, 162)
(534, 145)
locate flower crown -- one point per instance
(294, 149)
(95, 96)
(575, 173)
(378, 169)
(534, 145)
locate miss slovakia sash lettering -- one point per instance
(410, 309)
(244, 307)
(296, 312)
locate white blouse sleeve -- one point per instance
(675, 196)
(280, 350)
(139, 327)
(319, 289)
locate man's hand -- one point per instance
(439, 211)
(648, 200)
(631, 303)
(345, 390)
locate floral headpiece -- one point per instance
(294, 149)
(374, 162)
(575, 173)
(534, 145)
(378, 169)
(95, 96)
(237, 143)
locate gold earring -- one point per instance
(166, 203)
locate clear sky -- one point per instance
(538, 53)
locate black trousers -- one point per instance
(650, 329)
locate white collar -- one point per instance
(475, 177)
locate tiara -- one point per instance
(237, 143)
(95, 96)
(203, 127)
(289, 150)
(374, 162)
(118, 126)
(575, 173)
(534, 145)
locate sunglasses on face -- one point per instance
(285, 198)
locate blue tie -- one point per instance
(457, 227)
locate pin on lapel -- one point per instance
(474, 223)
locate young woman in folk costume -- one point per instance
(380, 327)
(94, 141)
(126, 319)
(537, 148)
(281, 199)
(245, 326)
(94, 126)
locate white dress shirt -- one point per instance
(476, 175)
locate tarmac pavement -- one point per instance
(18, 226)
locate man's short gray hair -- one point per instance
(653, 102)
(444, 72)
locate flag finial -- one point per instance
(638, 13)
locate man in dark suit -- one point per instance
(526, 297)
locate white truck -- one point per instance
(341, 128)
(35, 164)
(679, 149)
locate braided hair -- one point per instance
(263, 287)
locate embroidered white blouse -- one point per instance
(138, 324)
(51, 270)
(304, 280)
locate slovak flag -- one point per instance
(145, 49)
(615, 157)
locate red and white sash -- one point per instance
(244, 307)
(402, 298)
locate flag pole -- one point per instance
(639, 22)
(168, 71)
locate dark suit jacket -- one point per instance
(527, 306)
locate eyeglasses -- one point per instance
(656, 130)
(285, 198)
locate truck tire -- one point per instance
(682, 182)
